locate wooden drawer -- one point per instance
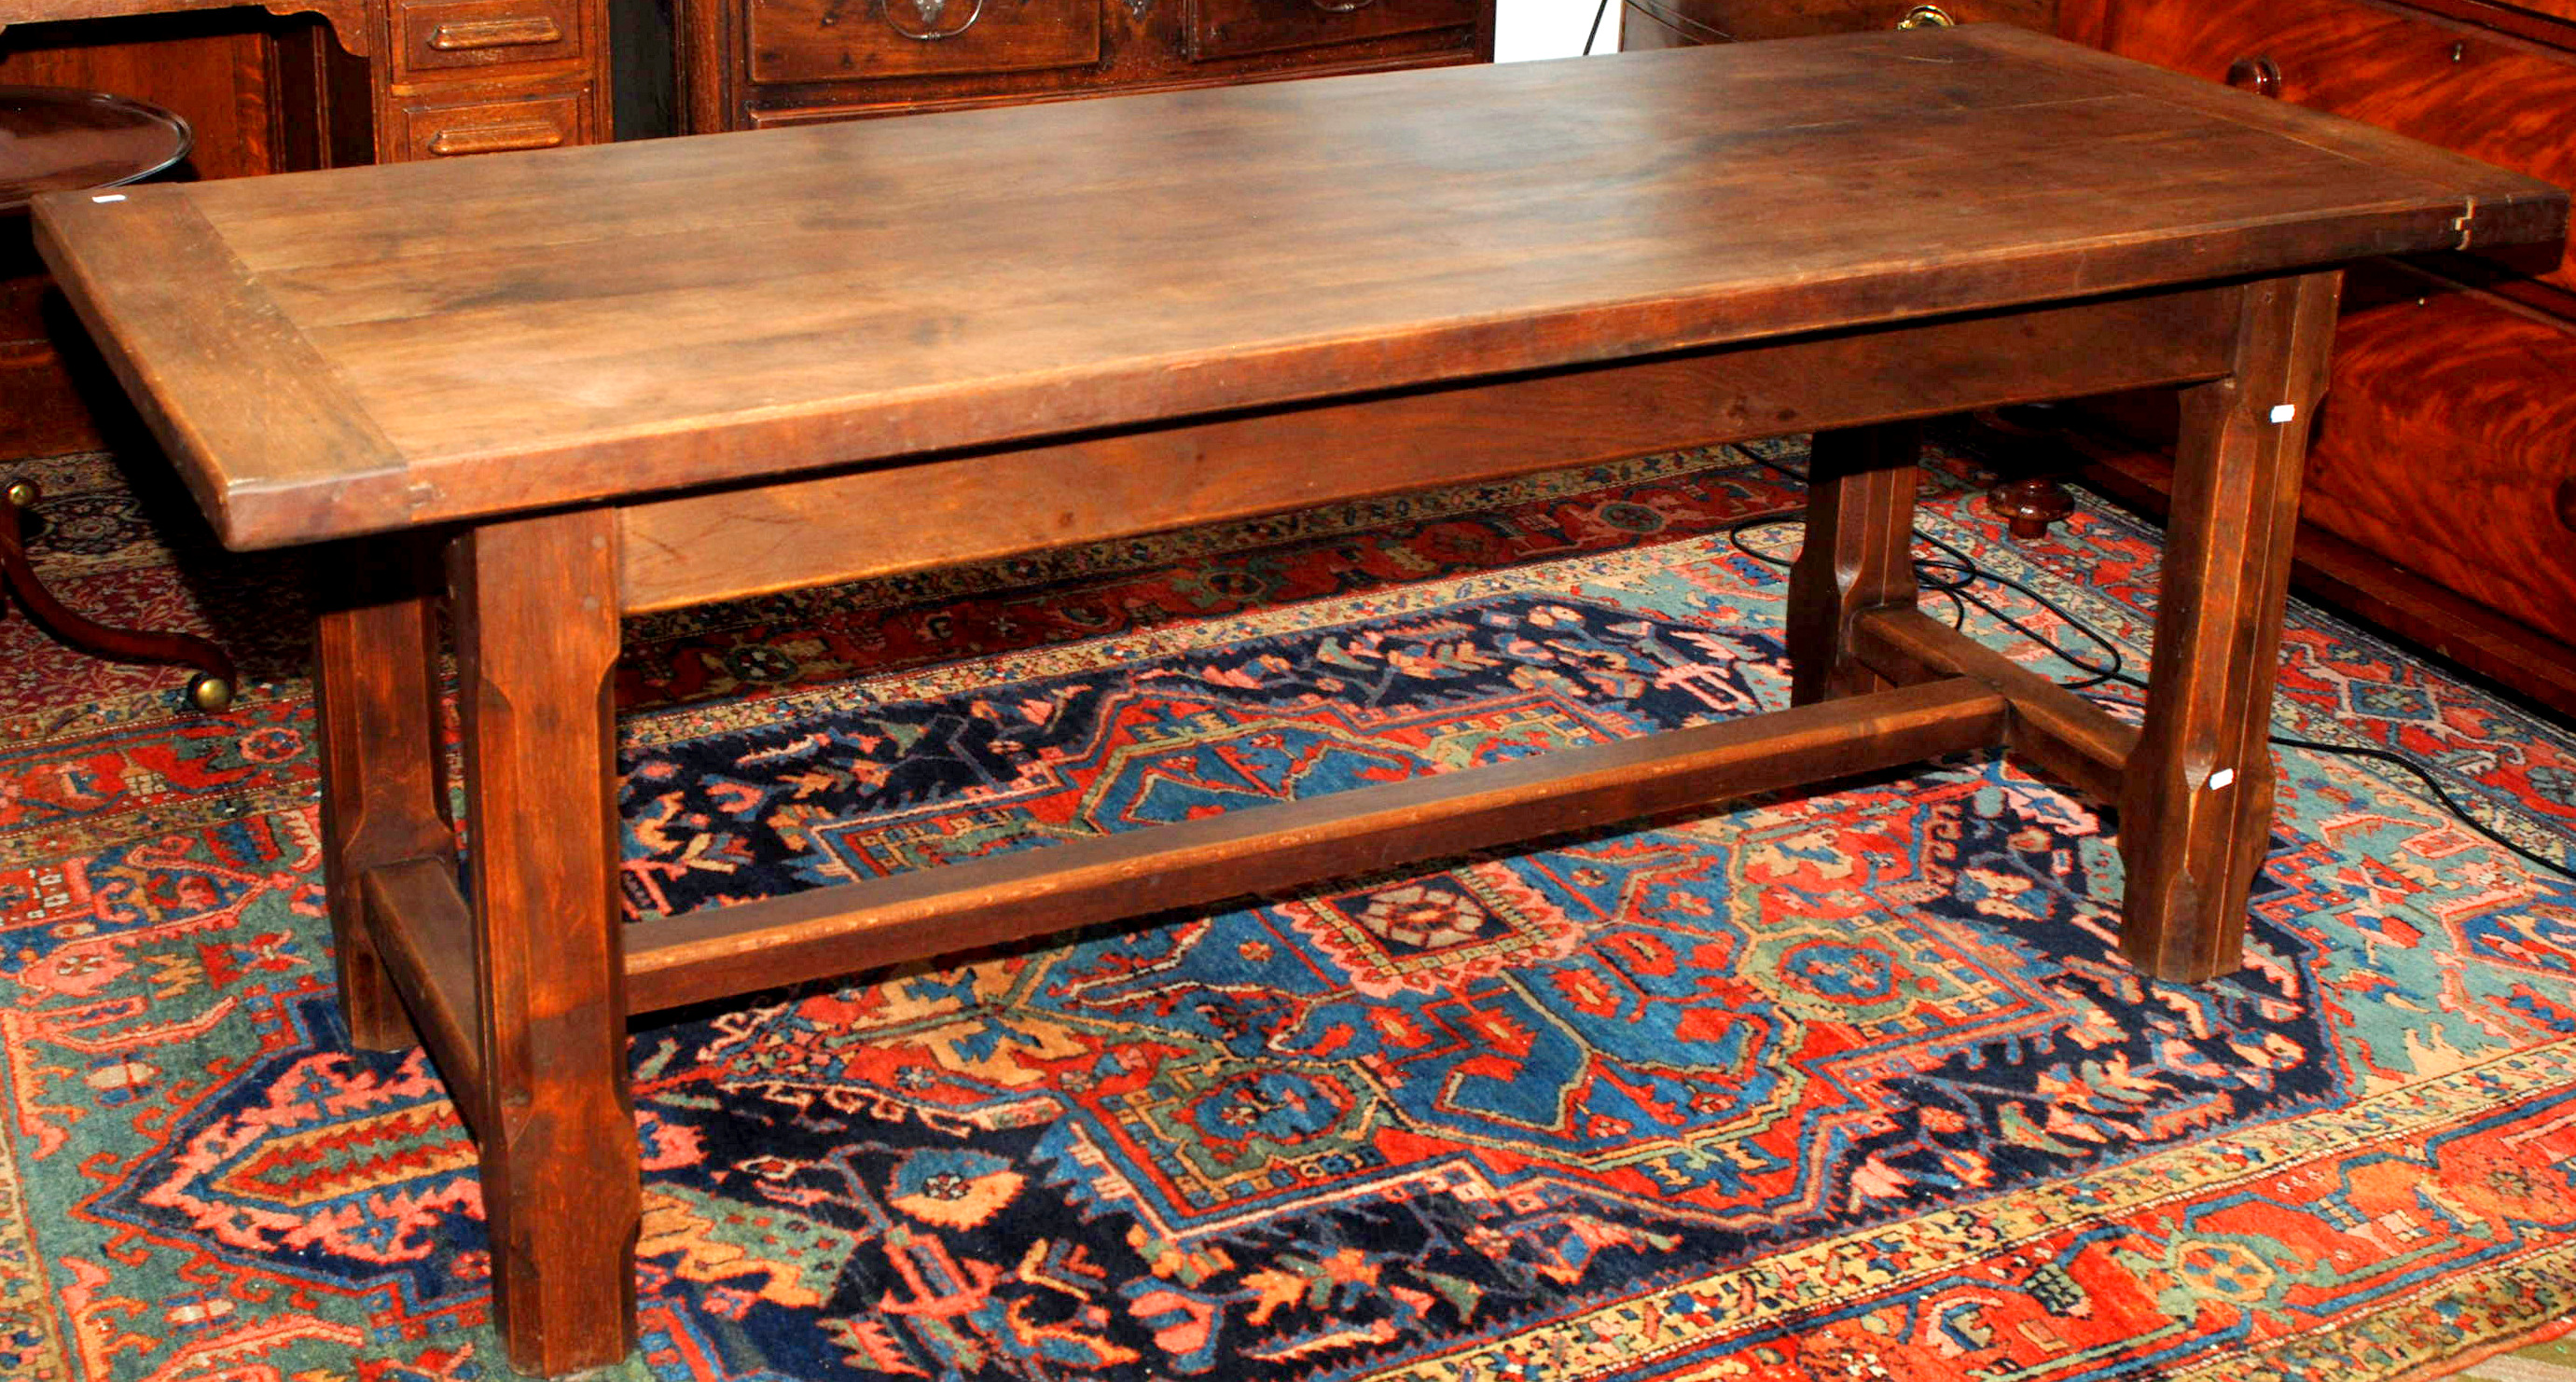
(492, 127)
(1747, 20)
(841, 40)
(2448, 443)
(453, 35)
(1236, 28)
(2489, 97)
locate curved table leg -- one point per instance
(210, 690)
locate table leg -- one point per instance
(1858, 553)
(2196, 796)
(536, 615)
(375, 674)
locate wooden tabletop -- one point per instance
(334, 353)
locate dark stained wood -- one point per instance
(420, 926)
(2196, 801)
(2052, 726)
(1644, 28)
(210, 69)
(539, 330)
(459, 128)
(674, 960)
(455, 35)
(1124, 310)
(375, 681)
(825, 41)
(2030, 504)
(750, 64)
(1858, 555)
(1239, 28)
(2502, 218)
(536, 642)
(880, 521)
(1743, 21)
(2544, 20)
(349, 16)
(216, 681)
(2450, 429)
(2501, 99)
(63, 139)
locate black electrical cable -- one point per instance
(1593, 35)
(2096, 675)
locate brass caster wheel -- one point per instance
(23, 494)
(210, 693)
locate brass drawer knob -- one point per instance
(1926, 17)
(2258, 74)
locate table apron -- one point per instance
(984, 505)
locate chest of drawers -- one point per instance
(746, 64)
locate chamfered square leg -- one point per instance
(384, 799)
(536, 615)
(2196, 795)
(1858, 553)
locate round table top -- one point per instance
(55, 138)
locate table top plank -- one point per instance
(216, 335)
(533, 330)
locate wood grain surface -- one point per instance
(541, 329)
(880, 520)
(2464, 88)
(2449, 443)
(536, 640)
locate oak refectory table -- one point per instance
(628, 378)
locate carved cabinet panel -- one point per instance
(751, 63)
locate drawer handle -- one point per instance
(465, 36)
(1926, 17)
(2258, 74)
(931, 12)
(1342, 6)
(495, 139)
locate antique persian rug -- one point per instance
(1827, 1085)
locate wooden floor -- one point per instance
(2540, 1363)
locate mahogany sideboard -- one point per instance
(2441, 493)
(746, 64)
